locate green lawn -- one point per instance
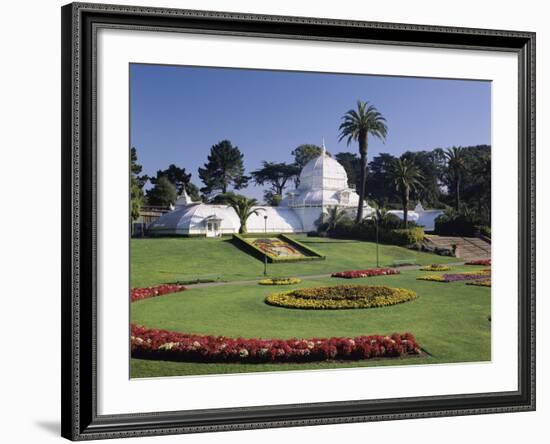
(161, 260)
(448, 319)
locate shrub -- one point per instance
(341, 296)
(365, 273)
(168, 345)
(366, 230)
(280, 281)
(485, 230)
(402, 236)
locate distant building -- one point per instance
(323, 185)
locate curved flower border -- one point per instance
(174, 346)
(137, 294)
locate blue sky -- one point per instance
(178, 113)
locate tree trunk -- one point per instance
(405, 200)
(363, 180)
(457, 194)
(242, 228)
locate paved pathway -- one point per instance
(306, 277)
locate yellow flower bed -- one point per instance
(280, 281)
(436, 267)
(431, 277)
(341, 296)
(486, 283)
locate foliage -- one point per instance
(306, 152)
(352, 165)
(180, 179)
(406, 177)
(452, 223)
(456, 165)
(280, 281)
(357, 124)
(473, 177)
(341, 297)
(243, 206)
(328, 221)
(224, 168)
(366, 230)
(354, 274)
(431, 165)
(272, 199)
(169, 345)
(163, 193)
(136, 185)
(276, 174)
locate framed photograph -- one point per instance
(278, 221)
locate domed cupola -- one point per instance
(323, 173)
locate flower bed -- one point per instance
(341, 296)
(137, 294)
(365, 273)
(480, 283)
(436, 267)
(167, 345)
(484, 262)
(280, 281)
(454, 277)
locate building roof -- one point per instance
(323, 173)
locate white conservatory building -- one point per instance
(323, 184)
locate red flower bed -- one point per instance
(484, 262)
(137, 294)
(365, 273)
(168, 345)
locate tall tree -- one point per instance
(357, 125)
(243, 206)
(406, 176)
(163, 193)
(431, 165)
(224, 168)
(352, 165)
(379, 186)
(136, 185)
(456, 164)
(180, 179)
(276, 175)
(305, 152)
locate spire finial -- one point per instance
(323, 147)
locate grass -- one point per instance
(156, 261)
(450, 320)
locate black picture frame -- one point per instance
(79, 206)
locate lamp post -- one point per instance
(265, 254)
(377, 256)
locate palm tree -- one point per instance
(243, 206)
(456, 164)
(334, 217)
(406, 176)
(357, 125)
